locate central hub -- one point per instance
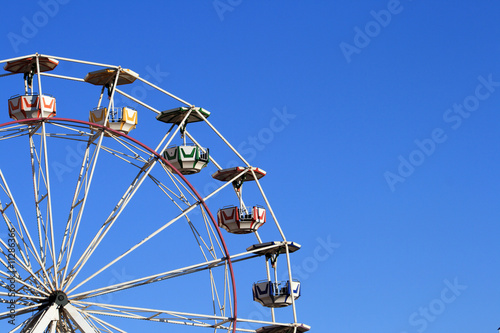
(59, 297)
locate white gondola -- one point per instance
(235, 221)
(32, 106)
(187, 159)
(276, 294)
(242, 219)
(119, 119)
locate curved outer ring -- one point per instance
(36, 120)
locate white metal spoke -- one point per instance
(169, 192)
(199, 146)
(166, 316)
(201, 242)
(13, 230)
(125, 157)
(132, 189)
(154, 315)
(13, 132)
(67, 279)
(27, 269)
(28, 286)
(24, 256)
(41, 183)
(16, 58)
(72, 226)
(21, 295)
(107, 326)
(211, 233)
(169, 274)
(75, 61)
(223, 138)
(36, 170)
(138, 101)
(22, 226)
(132, 149)
(164, 91)
(135, 246)
(63, 77)
(19, 311)
(79, 200)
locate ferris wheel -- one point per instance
(102, 233)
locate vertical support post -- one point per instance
(290, 281)
(268, 271)
(52, 248)
(39, 77)
(239, 193)
(100, 97)
(111, 104)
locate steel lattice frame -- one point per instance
(50, 276)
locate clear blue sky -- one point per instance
(377, 121)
